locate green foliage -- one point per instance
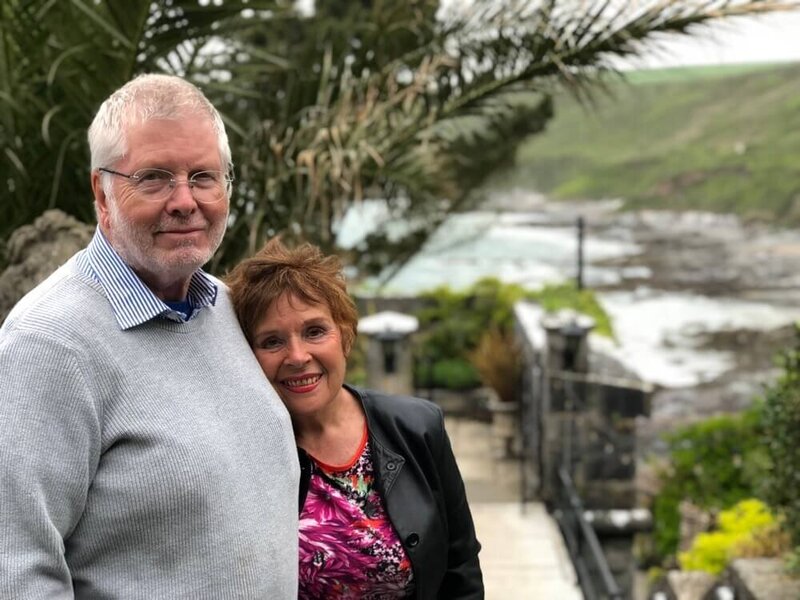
(556, 297)
(60, 60)
(357, 364)
(448, 373)
(793, 561)
(712, 551)
(781, 436)
(702, 139)
(453, 323)
(358, 99)
(714, 464)
(721, 461)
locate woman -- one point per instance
(383, 512)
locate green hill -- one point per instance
(720, 139)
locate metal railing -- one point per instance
(594, 574)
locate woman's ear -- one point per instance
(347, 344)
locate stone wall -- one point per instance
(762, 579)
(744, 579)
(34, 251)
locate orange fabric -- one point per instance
(349, 464)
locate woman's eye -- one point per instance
(270, 343)
(315, 332)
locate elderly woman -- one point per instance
(383, 512)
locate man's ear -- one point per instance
(100, 200)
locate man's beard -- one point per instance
(135, 244)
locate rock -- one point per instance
(694, 520)
(762, 579)
(689, 585)
(34, 251)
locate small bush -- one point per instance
(793, 561)
(738, 528)
(780, 438)
(356, 364)
(770, 540)
(557, 297)
(714, 464)
(498, 361)
(453, 324)
(451, 374)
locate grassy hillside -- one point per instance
(721, 139)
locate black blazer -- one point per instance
(417, 476)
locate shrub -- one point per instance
(556, 297)
(498, 361)
(770, 540)
(454, 374)
(453, 324)
(738, 527)
(714, 464)
(356, 364)
(781, 432)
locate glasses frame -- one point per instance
(173, 181)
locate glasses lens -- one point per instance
(157, 184)
(153, 184)
(208, 186)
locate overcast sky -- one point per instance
(766, 38)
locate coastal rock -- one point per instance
(34, 251)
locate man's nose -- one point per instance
(180, 200)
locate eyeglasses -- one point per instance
(156, 185)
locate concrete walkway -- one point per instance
(523, 555)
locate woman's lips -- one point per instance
(300, 385)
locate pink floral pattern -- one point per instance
(348, 547)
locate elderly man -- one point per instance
(143, 453)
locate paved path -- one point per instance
(523, 555)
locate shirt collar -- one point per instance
(131, 300)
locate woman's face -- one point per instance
(299, 347)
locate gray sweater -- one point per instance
(150, 463)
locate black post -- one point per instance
(579, 275)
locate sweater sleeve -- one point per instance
(49, 447)
(463, 579)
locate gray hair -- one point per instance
(146, 97)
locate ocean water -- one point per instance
(658, 332)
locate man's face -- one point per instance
(164, 242)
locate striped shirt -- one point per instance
(131, 300)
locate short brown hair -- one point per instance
(304, 272)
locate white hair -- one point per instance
(146, 97)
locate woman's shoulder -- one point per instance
(409, 410)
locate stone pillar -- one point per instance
(563, 419)
(389, 357)
(567, 341)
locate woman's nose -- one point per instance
(297, 353)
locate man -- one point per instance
(142, 452)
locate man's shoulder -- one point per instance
(65, 292)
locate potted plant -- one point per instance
(498, 361)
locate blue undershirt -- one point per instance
(181, 306)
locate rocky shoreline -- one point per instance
(692, 255)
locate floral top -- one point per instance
(348, 547)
